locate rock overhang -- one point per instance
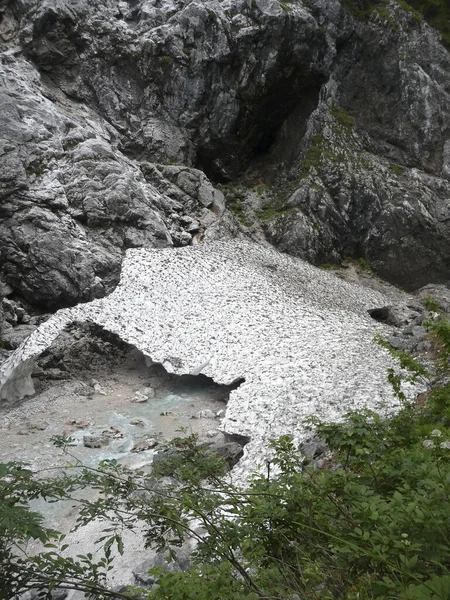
(300, 337)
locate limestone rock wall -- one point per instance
(373, 180)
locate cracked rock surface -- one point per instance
(300, 337)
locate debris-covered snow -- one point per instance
(300, 337)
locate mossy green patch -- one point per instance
(363, 9)
(167, 60)
(342, 117)
(36, 167)
(273, 209)
(285, 7)
(339, 146)
(396, 169)
(364, 265)
(436, 13)
(320, 152)
(237, 207)
(70, 143)
(235, 202)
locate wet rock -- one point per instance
(113, 432)
(181, 238)
(139, 422)
(98, 388)
(139, 399)
(8, 311)
(313, 448)
(38, 319)
(424, 346)
(143, 445)
(38, 371)
(95, 441)
(396, 342)
(232, 452)
(56, 374)
(143, 395)
(21, 313)
(38, 426)
(77, 424)
(206, 413)
(32, 427)
(5, 289)
(397, 315)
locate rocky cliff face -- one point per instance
(326, 123)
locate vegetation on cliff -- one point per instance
(435, 12)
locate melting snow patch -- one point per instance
(300, 337)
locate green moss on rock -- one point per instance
(396, 169)
(436, 13)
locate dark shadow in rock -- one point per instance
(267, 129)
(380, 314)
(166, 402)
(82, 350)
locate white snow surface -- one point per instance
(299, 336)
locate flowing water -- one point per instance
(106, 407)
